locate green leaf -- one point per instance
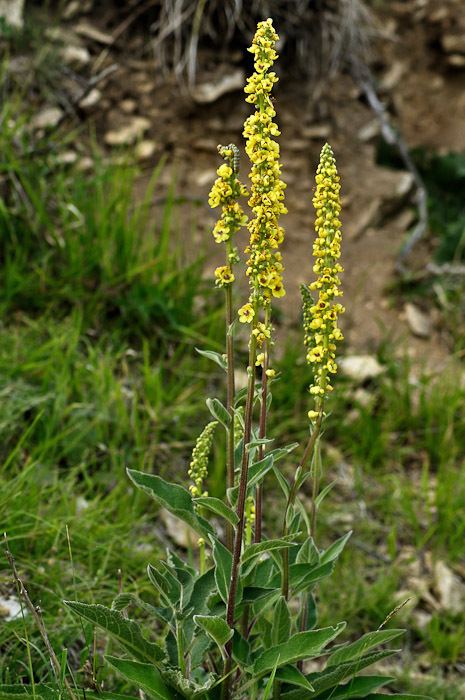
(399, 696)
(281, 629)
(122, 601)
(203, 587)
(126, 631)
(323, 493)
(241, 650)
(282, 481)
(360, 687)
(223, 566)
(173, 497)
(215, 357)
(215, 505)
(292, 676)
(167, 585)
(219, 412)
(269, 685)
(144, 676)
(254, 550)
(362, 645)
(216, 628)
(335, 550)
(308, 553)
(329, 678)
(302, 645)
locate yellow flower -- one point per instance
(224, 275)
(246, 313)
(270, 373)
(264, 265)
(225, 192)
(321, 332)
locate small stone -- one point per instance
(393, 76)
(419, 322)
(369, 132)
(85, 164)
(316, 131)
(449, 587)
(77, 56)
(212, 91)
(453, 43)
(72, 10)
(127, 134)
(10, 608)
(298, 145)
(360, 368)
(66, 158)
(145, 149)
(47, 118)
(181, 534)
(456, 60)
(91, 99)
(128, 106)
(206, 177)
(369, 217)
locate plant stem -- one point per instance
(230, 392)
(292, 496)
(239, 533)
(179, 640)
(262, 434)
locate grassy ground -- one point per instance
(100, 315)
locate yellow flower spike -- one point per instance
(198, 468)
(225, 192)
(264, 266)
(321, 332)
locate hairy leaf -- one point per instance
(126, 631)
(215, 505)
(216, 628)
(223, 565)
(362, 645)
(145, 676)
(335, 550)
(215, 357)
(173, 497)
(302, 645)
(292, 676)
(281, 630)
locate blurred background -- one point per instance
(110, 117)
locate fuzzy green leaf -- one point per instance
(144, 676)
(362, 645)
(281, 629)
(216, 628)
(215, 357)
(302, 645)
(19, 692)
(126, 631)
(122, 601)
(203, 587)
(292, 676)
(359, 687)
(223, 566)
(215, 505)
(173, 497)
(329, 678)
(254, 550)
(335, 550)
(219, 412)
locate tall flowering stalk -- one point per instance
(225, 193)
(264, 264)
(320, 320)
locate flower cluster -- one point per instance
(321, 315)
(198, 468)
(264, 266)
(225, 192)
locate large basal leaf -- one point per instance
(126, 631)
(144, 676)
(173, 497)
(302, 645)
(362, 645)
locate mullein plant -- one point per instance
(237, 617)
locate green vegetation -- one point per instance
(98, 371)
